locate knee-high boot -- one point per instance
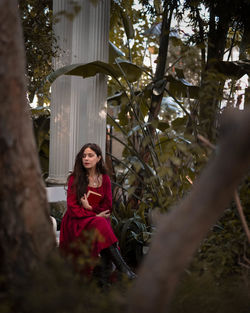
(102, 271)
(116, 257)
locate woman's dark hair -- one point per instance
(80, 173)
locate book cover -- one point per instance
(94, 198)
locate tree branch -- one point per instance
(242, 216)
(180, 232)
(162, 59)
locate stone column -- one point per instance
(88, 101)
(78, 106)
(60, 99)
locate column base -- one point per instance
(56, 181)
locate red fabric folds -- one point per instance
(78, 220)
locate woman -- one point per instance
(91, 213)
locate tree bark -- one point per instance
(179, 233)
(212, 84)
(26, 234)
(161, 62)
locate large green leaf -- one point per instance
(234, 69)
(85, 70)
(179, 122)
(162, 126)
(182, 88)
(132, 71)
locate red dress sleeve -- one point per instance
(73, 208)
(107, 201)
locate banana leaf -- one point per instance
(179, 87)
(132, 71)
(235, 69)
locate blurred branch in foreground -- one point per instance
(180, 232)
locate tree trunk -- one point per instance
(26, 234)
(161, 63)
(179, 233)
(212, 83)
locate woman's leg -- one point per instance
(103, 271)
(113, 253)
(105, 236)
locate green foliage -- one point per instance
(203, 294)
(132, 231)
(127, 32)
(57, 287)
(36, 17)
(226, 251)
(160, 159)
(57, 210)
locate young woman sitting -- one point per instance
(89, 205)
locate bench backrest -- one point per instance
(55, 194)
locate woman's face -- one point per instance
(90, 158)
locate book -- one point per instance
(94, 198)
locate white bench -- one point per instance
(56, 194)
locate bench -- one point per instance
(56, 194)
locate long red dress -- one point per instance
(77, 220)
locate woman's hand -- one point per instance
(104, 214)
(85, 202)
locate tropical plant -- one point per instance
(162, 155)
(160, 161)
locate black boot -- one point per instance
(103, 271)
(114, 254)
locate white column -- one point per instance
(78, 106)
(88, 96)
(60, 100)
